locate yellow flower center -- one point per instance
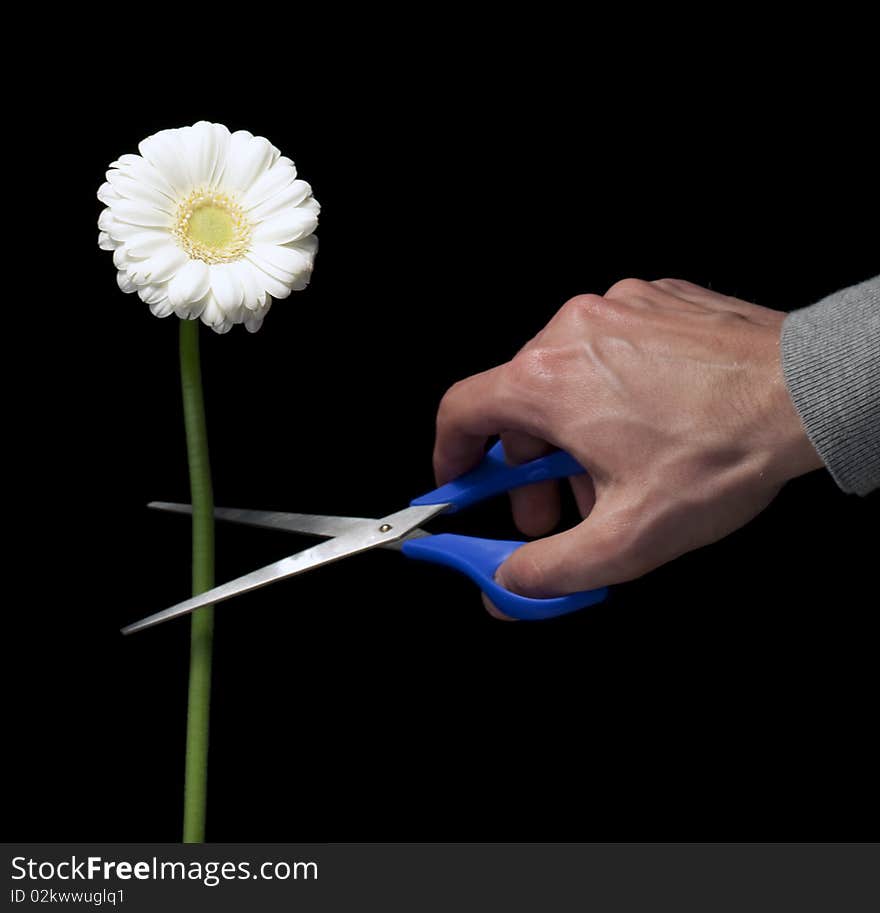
(211, 226)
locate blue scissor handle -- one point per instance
(479, 559)
(494, 476)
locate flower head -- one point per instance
(207, 223)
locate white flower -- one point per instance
(207, 223)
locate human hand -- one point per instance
(670, 395)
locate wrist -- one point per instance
(793, 453)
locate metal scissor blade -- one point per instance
(385, 531)
(309, 524)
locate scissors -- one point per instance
(477, 558)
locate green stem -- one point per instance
(202, 497)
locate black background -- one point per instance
(467, 192)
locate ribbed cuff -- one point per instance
(831, 363)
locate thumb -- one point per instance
(590, 555)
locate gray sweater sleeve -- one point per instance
(831, 363)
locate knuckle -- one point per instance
(535, 340)
(669, 285)
(448, 402)
(456, 390)
(726, 319)
(627, 287)
(583, 306)
(534, 364)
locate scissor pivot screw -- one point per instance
(385, 528)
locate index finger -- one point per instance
(472, 410)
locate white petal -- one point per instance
(212, 314)
(161, 308)
(301, 281)
(105, 220)
(269, 184)
(105, 242)
(200, 150)
(139, 169)
(137, 273)
(276, 272)
(253, 322)
(128, 159)
(254, 294)
(125, 283)
(164, 151)
(227, 290)
(146, 243)
(312, 205)
(273, 286)
(121, 231)
(190, 284)
(106, 194)
(290, 225)
(192, 311)
(132, 189)
(288, 259)
(288, 198)
(153, 294)
(164, 264)
(120, 257)
(136, 213)
(221, 140)
(308, 245)
(247, 158)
